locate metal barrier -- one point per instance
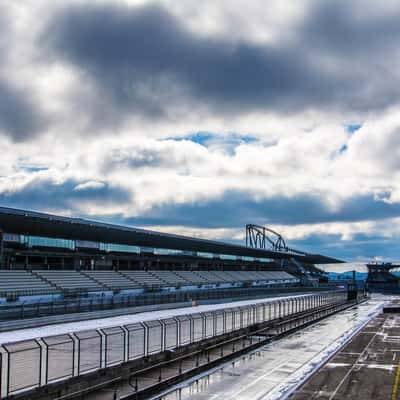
(88, 304)
(89, 355)
(114, 345)
(59, 352)
(33, 363)
(136, 341)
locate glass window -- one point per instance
(147, 250)
(39, 241)
(205, 255)
(115, 247)
(167, 252)
(11, 237)
(226, 257)
(87, 244)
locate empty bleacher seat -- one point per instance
(210, 277)
(143, 278)
(193, 277)
(217, 276)
(277, 276)
(170, 277)
(244, 276)
(112, 280)
(70, 280)
(241, 276)
(19, 283)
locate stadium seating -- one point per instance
(143, 278)
(112, 280)
(279, 275)
(217, 276)
(240, 276)
(171, 278)
(43, 282)
(68, 281)
(193, 277)
(23, 283)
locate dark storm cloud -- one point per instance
(43, 195)
(361, 246)
(20, 118)
(348, 29)
(137, 56)
(235, 209)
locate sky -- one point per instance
(199, 117)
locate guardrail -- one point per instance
(38, 362)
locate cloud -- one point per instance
(167, 114)
(4, 30)
(62, 197)
(90, 185)
(20, 115)
(337, 27)
(295, 210)
(143, 60)
(20, 118)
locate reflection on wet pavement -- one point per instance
(267, 372)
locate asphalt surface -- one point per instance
(270, 372)
(368, 367)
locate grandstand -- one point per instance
(23, 283)
(82, 302)
(45, 282)
(69, 280)
(48, 255)
(112, 280)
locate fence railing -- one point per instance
(82, 304)
(38, 362)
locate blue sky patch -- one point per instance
(207, 138)
(352, 128)
(29, 168)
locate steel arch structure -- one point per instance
(258, 237)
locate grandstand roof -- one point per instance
(41, 224)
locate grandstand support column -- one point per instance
(77, 263)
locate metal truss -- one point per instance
(259, 237)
